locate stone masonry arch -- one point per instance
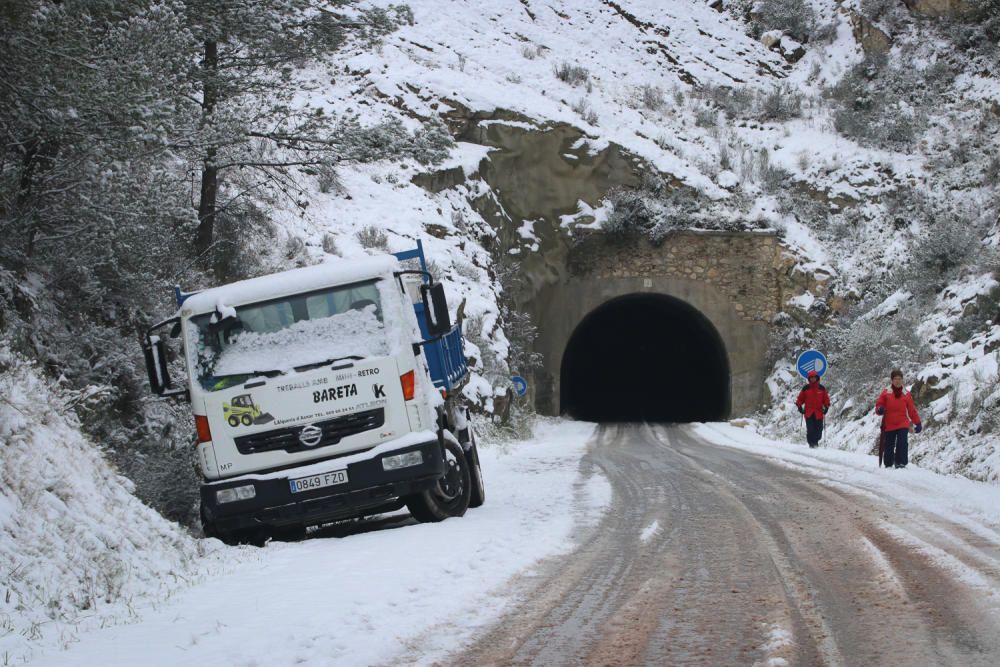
(736, 281)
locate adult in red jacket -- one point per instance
(899, 417)
(813, 402)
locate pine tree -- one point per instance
(250, 119)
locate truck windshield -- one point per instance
(273, 337)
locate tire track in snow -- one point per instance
(749, 563)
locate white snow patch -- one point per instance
(649, 531)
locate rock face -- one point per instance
(541, 171)
(940, 7)
(872, 40)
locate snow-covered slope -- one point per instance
(78, 550)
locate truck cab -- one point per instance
(313, 399)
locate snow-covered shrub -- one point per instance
(571, 74)
(706, 117)
(330, 244)
(391, 140)
(781, 104)
(630, 213)
(976, 30)
(654, 210)
(795, 18)
(889, 15)
(946, 247)
(328, 179)
(243, 231)
(652, 97)
(373, 238)
(582, 107)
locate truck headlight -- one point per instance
(406, 460)
(235, 493)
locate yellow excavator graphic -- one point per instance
(242, 410)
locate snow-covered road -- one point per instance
(404, 592)
(711, 555)
(701, 544)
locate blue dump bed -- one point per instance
(445, 355)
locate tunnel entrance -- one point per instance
(645, 357)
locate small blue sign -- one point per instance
(520, 385)
(811, 360)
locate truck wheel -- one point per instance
(288, 533)
(252, 536)
(450, 495)
(246, 419)
(477, 495)
(233, 420)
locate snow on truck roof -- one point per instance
(275, 285)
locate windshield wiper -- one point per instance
(250, 374)
(327, 362)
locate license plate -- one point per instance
(332, 478)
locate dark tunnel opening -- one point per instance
(645, 357)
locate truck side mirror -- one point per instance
(156, 364)
(436, 307)
(155, 353)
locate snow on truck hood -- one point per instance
(275, 285)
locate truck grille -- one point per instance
(334, 430)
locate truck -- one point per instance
(321, 394)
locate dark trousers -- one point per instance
(896, 448)
(814, 430)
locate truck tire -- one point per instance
(254, 536)
(477, 495)
(295, 533)
(450, 495)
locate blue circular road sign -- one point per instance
(811, 360)
(520, 385)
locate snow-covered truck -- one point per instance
(320, 394)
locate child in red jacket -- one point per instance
(899, 417)
(813, 402)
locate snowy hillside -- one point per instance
(768, 132)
